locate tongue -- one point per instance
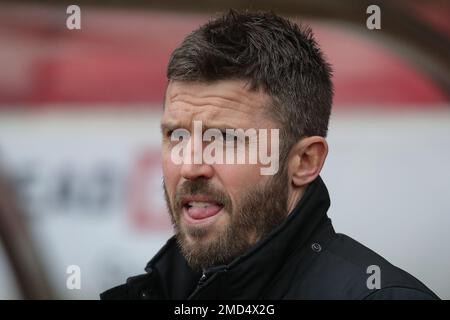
(202, 213)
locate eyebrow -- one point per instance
(168, 127)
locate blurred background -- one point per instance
(80, 175)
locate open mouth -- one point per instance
(199, 210)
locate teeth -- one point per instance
(199, 204)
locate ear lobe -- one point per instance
(307, 159)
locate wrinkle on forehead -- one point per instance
(226, 100)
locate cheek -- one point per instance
(237, 179)
(170, 172)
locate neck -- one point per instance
(295, 196)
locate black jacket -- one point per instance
(303, 258)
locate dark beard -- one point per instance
(258, 212)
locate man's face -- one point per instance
(219, 210)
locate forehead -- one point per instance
(228, 102)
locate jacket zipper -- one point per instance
(205, 277)
(202, 280)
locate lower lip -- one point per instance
(205, 221)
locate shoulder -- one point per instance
(346, 269)
(135, 288)
(401, 293)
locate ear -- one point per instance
(306, 160)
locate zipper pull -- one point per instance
(206, 274)
(202, 279)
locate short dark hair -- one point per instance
(271, 53)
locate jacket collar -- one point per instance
(249, 274)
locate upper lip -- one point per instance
(200, 198)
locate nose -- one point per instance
(195, 167)
(195, 171)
